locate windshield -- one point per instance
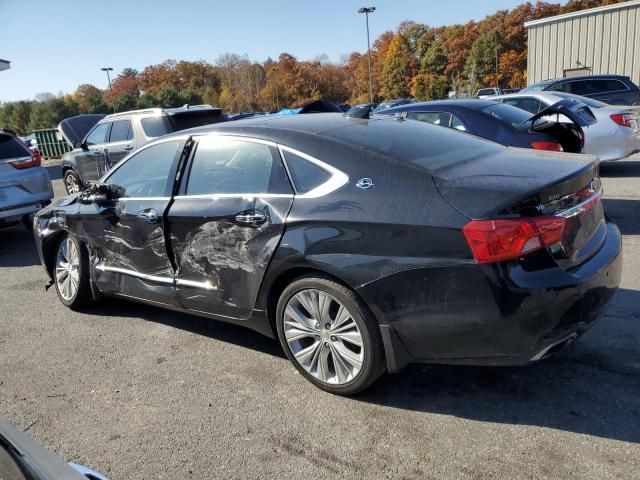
(536, 87)
(507, 114)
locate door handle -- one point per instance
(251, 217)
(148, 215)
(129, 147)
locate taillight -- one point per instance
(552, 146)
(622, 119)
(34, 161)
(498, 240)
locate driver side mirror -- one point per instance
(80, 144)
(101, 194)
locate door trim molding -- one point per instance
(156, 278)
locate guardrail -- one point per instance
(50, 144)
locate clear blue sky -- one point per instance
(55, 45)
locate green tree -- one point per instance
(90, 99)
(124, 102)
(434, 60)
(482, 58)
(146, 100)
(397, 69)
(168, 97)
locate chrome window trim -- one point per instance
(337, 180)
(143, 198)
(106, 176)
(156, 278)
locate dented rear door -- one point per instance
(226, 223)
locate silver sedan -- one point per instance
(614, 136)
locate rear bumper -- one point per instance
(23, 192)
(491, 315)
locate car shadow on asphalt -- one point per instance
(218, 330)
(620, 169)
(592, 387)
(17, 248)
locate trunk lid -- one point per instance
(516, 183)
(570, 135)
(74, 129)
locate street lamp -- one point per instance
(367, 11)
(109, 69)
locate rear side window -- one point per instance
(156, 126)
(224, 166)
(121, 131)
(305, 175)
(11, 148)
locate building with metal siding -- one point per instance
(594, 41)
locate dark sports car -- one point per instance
(506, 124)
(362, 245)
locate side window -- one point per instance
(306, 175)
(236, 167)
(437, 118)
(121, 131)
(146, 173)
(457, 124)
(98, 135)
(603, 86)
(561, 87)
(156, 126)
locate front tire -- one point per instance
(329, 335)
(72, 183)
(71, 273)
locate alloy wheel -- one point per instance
(71, 184)
(323, 337)
(68, 269)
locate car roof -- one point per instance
(473, 104)
(580, 77)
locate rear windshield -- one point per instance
(507, 114)
(487, 91)
(427, 146)
(196, 118)
(11, 148)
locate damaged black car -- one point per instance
(361, 244)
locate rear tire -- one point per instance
(329, 335)
(72, 183)
(71, 273)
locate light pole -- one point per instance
(367, 11)
(274, 70)
(109, 69)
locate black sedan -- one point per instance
(362, 245)
(506, 124)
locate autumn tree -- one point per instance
(434, 60)
(90, 99)
(397, 70)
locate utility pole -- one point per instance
(109, 69)
(367, 11)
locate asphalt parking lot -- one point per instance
(138, 393)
